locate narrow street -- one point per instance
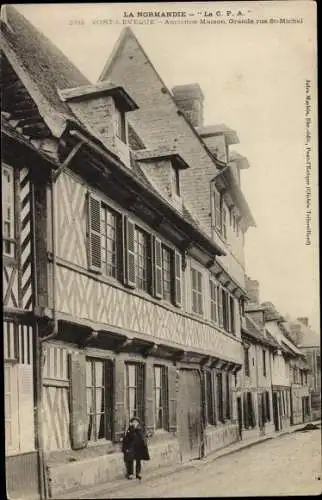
(290, 465)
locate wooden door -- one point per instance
(240, 417)
(189, 415)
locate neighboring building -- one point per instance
(255, 378)
(309, 343)
(140, 275)
(290, 375)
(21, 164)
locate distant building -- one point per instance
(309, 343)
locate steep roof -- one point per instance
(254, 331)
(39, 60)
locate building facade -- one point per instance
(138, 277)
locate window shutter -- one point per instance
(172, 395)
(149, 409)
(178, 279)
(157, 264)
(120, 422)
(94, 233)
(220, 306)
(140, 384)
(253, 414)
(129, 252)
(78, 406)
(109, 397)
(268, 412)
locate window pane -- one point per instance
(90, 401)
(132, 402)
(157, 374)
(99, 373)
(131, 375)
(89, 381)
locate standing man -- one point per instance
(134, 447)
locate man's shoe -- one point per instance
(138, 476)
(130, 476)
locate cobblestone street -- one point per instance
(289, 465)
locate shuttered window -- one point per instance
(196, 280)
(213, 301)
(264, 363)
(142, 260)
(8, 210)
(160, 397)
(220, 307)
(224, 222)
(267, 407)
(95, 397)
(134, 390)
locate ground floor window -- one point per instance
(228, 393)
(220, 396)
(134, 390)
(99, 398)
(267, 408)
(210, 398)
(160, 397)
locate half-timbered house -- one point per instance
(139, 257)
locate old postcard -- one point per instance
(160, 249)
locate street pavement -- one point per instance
(289, 465)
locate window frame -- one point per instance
(117, 241)
(139, 373)
(167, 294)
(246, 361)
(264, 363)
(120, 125)
(210, 410)
(214, 306)
(142, 284)
(94, 388)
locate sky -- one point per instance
(253, 78)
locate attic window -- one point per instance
(120, 125)
(175, 179)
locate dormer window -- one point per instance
(175, 179)
(120, 125)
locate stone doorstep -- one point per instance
(111, 486)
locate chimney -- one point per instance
(304, 321)
(252, 288)
(189, 99)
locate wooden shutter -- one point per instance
(220, 306)
(109, 398)
(78, 406)
(177, 279)
(120, 421)
(149, 407)
(140, 384)
(94, 233)
(268, 412)
(129, 252)
(157, 267)
(172, 395)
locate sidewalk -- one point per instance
(111, 486)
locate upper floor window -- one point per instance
(8, 213)
(196, 280)
(167, 274)
(224, 222)
(160, 397)
(246, 361)
(120, 125)
(217, 209)
(110, 241)
(142, 252)
(214, 290)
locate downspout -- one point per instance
(37, 366)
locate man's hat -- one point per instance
(135, 418)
